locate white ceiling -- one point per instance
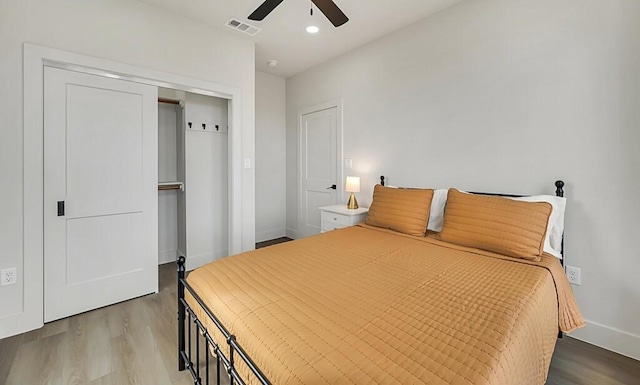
(283, 36)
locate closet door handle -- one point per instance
(61, 208)
(332, 187)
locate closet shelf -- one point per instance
(170, 186)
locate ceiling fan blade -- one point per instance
(331, 11)
(264, 9)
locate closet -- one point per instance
(193, 209)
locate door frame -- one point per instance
(35, 58)
(337, 103)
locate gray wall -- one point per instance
(270, 157)
(507, 95)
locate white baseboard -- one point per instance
(268, 235)
(167, 256)
(291, 233)
(18, 323)
(609, 338)
(196, 261)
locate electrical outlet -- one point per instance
(573, 274)
(8, 276)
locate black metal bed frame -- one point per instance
(185, 352)
(188, 319)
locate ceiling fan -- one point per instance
(328, 7)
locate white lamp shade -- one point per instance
(353, 184)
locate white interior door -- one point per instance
(100, 159)
(319, 173)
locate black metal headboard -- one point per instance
(559, 190)
(559, 193)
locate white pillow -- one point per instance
(555, 226)
(436, 215)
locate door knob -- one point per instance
(332, 187)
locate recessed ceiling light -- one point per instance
(313, 29)
(272, 63)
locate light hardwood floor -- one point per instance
(134, 342)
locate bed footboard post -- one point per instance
(181, 312)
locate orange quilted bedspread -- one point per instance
(367, 306)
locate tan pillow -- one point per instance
(402, 210)
(497, 224)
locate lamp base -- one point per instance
(352, 204)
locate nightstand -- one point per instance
(339, 216)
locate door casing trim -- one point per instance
(35, 57)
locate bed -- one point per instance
(377, 304)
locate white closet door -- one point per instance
(100, 156)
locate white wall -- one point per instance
(270, 157)
(206, 179)
(120, 30)
(508, 96)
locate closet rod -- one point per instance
(168, 101)
(170, 186)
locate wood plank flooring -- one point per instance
(134, 342)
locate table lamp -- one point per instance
(352, 186)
